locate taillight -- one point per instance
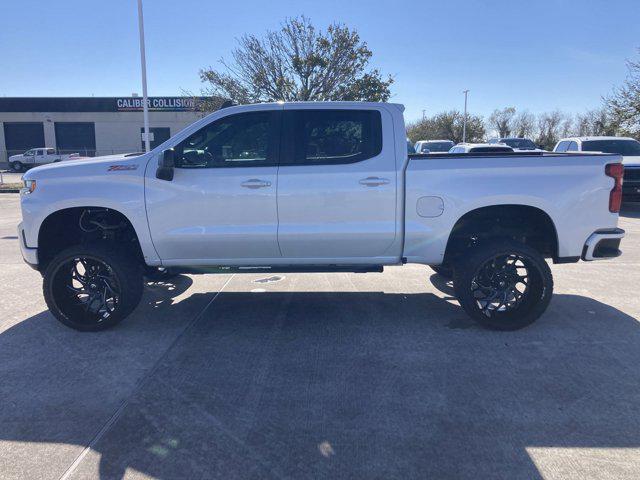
(615, 171)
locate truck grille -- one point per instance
(632, 174)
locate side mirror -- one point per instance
(166, 165)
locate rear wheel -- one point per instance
(92, 287)
(503, 285)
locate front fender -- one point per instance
(118, 191)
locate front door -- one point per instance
(221, 203)
(336, 184)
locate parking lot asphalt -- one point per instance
(322, 376)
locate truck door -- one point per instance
(221, 203)
(336, 183)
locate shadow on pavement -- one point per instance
(324, 385)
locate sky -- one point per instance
(535, 55)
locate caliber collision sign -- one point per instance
(156, 103)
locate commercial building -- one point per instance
(90, 125)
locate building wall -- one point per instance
(116, 132)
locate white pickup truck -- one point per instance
(310, 187)
(37, 156)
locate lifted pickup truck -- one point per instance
(310, 187)
(37, 156)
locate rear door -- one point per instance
(336, 184)
(220, 207)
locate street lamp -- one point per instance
(464, 120)
(143, 61)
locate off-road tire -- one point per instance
(531, 306)
(125, 268)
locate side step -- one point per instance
(283, 269)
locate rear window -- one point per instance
(621, 147)
(333, 136)
(520, 143)
(490, 149)
(439, 146)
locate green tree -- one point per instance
(447, 126)
(623, 105)
(297, 63)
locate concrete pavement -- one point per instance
(322, 376)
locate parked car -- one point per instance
(308, 187)
(37, 156)
(517, 143)
(480, 148)
(433, 146)
(629, 148)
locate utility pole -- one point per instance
(464, 120)
(423, 115)
(143, 62)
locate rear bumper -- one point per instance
(29, 255)
(603, 244)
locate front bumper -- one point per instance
(603, 244)
(29, 255)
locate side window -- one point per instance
(50, 151)
(321, 137)
(39, 152)
(573, 147)
(562, 146)
(241, 140)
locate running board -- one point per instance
(283, 269)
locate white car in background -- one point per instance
(480, 148)
(38, 156)
(629, 148)
(433, 146)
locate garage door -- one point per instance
(72, 137)
(22, 136)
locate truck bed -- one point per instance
(571, 188)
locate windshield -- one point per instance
(621, 147)
(520, 143)
(439, 146)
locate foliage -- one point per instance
(623, 106)
(299, 63)
(447, 126)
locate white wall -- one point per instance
(116, 132)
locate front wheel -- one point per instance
(503, 285)
(92, 287)
(16, 166)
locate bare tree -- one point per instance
(524, 125)
(299, 62)
(594, 122)
(502, 121)
(549, 125)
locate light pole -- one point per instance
(464, 120)
(143, 61)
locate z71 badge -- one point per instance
(119, 168)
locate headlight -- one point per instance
(29, 185)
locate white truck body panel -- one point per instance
(379, 211)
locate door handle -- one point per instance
(374, 181)
(255, 183)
